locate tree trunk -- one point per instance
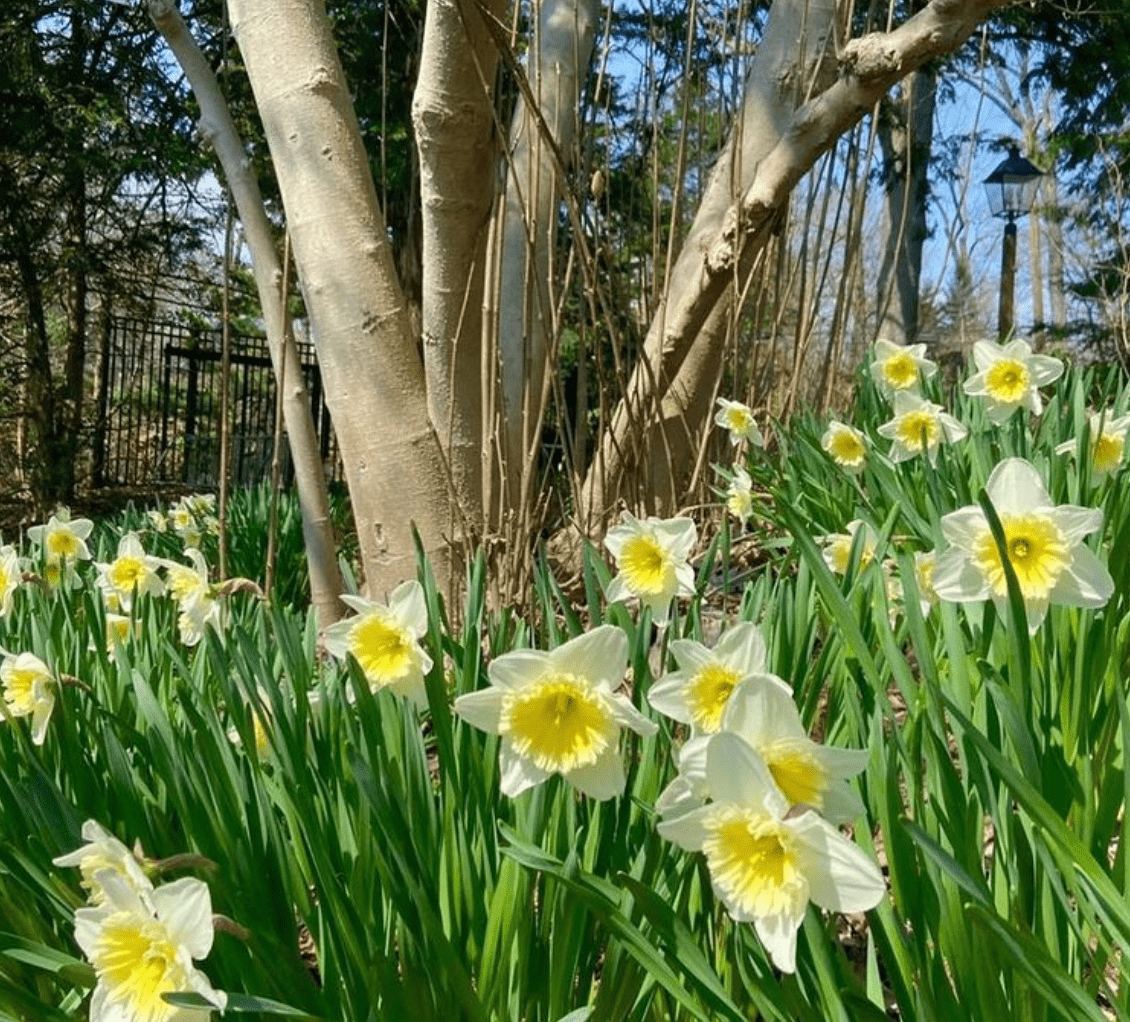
(373, 376)
(217, 129)
(560, 56)
(453, 118)
(906, 132)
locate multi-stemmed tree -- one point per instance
(443, 434)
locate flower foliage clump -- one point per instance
(876, 768)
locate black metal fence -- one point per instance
(158, 406)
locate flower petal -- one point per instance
(687, 830)
(1015, 486)
(841, 876)
(778, 934)
(762, 714)
(185, 906)
(482, 709)
(736, 774)
(408, 603)
(600, 655)
(517, 773)
(742, 648)
(957, 580)
(601, 780)
(518, 668)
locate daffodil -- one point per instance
(10, 575)
(29, 691)
(132, 572)
(60, 575)
(185, 583)
(194, 595)
(120, 630)
(918, 427)
(203, 504)
(699, 691)
(62, 539)
(102, 852)
(899, 367)
(739, 495)
(1108, 443)
(142, 944)
(739, 421)
(1043, 542)
(838, 546)
(767, 863)
(196, 615)
(558, 712)
(1009, 377)
(384, 640)
(805, 772)
(652, 557)
(846, 446)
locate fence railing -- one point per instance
(157, 403)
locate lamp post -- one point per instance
(1011, 189)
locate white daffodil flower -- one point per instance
(739, 495)
(196, 616)
(652, 557)
(203, 504)
(1009, 377)
(61, 575)
(29, 691)
(767, 863)
(101, 852)
(846, 446)
(190, 588)
(384, 640)
(1108, 443)
(898, 367)
(183, 518)
(739, 421)
(1044, 543)
(10, 576)
(121, 629)
(837, 547)
(807, 774)
(558, 713)
(62, 539)
(132, 572)
(187, 584)
(918, 427)
(698, 692)
(142, 944)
